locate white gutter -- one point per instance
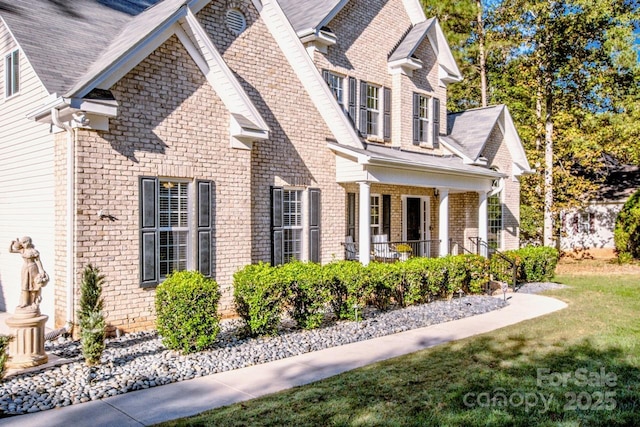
(71, 219)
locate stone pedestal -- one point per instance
(27, 348)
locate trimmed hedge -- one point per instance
(533, 264)
(305, 291)
(187, 311)
(259, 298)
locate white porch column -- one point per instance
(443, 221)
(364, 234)
(482, 221)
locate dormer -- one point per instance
(403, 60)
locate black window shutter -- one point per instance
(576, 220)
(277, 237)
(149, 271)
(314, 225)
(205, 226)
(436, 122)
(351, 215)
(386, 215)
(352, 100)
(386, 124)
(416, 118)
(363, 108)
(592, 222)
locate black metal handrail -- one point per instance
(506, 270)
(455, 247)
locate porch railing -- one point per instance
(456, 248)
(395, 251)
(404, 249)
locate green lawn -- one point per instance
(579, 366)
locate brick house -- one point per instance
(148, 136)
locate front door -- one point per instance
(416, 224)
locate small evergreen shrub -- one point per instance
(307, 294)
(343, 280)
(90, 316)
(456, 276)
(378, 284)
(92, 335)
(626, 233)
(259, 298)
(4, 355)
(187, 311)
(478, 267)
(91, 291)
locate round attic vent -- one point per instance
(236, 21)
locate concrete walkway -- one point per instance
(183, 399)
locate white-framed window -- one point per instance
(173, 235)
(12, 73)
(295, 224)
(373, 110)
(584, 222)
(336, 85)
(174, 229)
(376, 215)
(292, 225)
(495, 221)
(426, 120)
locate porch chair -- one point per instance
(351, 253)
(381, 249)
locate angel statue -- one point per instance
(33, 275)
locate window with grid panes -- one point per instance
(584, 222)
(494, 216)
(292, 225)
(373, 109)
(375, 215)
(336, 84)
(173, 207)
(424, 128)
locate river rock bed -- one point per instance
(139, 360)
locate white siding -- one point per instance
(26, 181)
(600, 232)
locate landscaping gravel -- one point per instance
(139, 360)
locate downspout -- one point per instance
(71, 217)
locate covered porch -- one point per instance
(402, 203)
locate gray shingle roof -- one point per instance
(471, 129)
(412, 40)
(620, 183)
(65, 40)
(132, 32)
(449, 163)
(309, 14)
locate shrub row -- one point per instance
(533, 264)
(263, 293)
